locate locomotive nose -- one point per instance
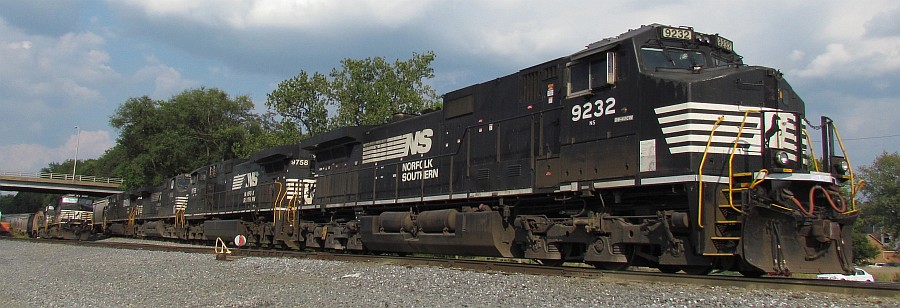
(751, 86)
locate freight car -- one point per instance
(658, 147)
(20, 224)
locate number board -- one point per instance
(724, 43)
(676, 33)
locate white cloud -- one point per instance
(868, 58)
(39, 65)
(48, 79)
(167, 81)
(32, 157)
(299, 14)
(836, 55)
(91, 143)
(849, 42)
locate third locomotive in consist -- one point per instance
(657, 148)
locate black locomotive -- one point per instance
(67, 217)
(657, 148)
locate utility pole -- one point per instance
(77, 141)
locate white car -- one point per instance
(858, 275)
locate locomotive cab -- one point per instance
(68, 217)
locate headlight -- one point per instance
(840, 165)
(781, 157)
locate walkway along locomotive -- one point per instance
(657, 148)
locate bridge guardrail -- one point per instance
(64, 177)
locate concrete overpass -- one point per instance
(55, 183)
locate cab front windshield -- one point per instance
(656, 58)
(75, 203)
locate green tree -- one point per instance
(881, 192)
(304, 100)
(863, 250)
(271, 132)
(361, 92)
(24, 202)
(159, 139)
(84, 167)
(371, 90)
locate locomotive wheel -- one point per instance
(697, 269)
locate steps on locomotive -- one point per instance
(728, 217)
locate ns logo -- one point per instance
(398, 146)
(419, 142)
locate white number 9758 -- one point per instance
(596, 109)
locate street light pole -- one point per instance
(77, 141)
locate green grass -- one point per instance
(884, 273)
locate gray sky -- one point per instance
(72, 63)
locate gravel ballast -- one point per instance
(55, 275)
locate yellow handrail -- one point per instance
(731, 161)
(179, 218)
(292, 210)
(853, 184)
(277, 201)
(700, 172)
(811, 152)
(131, 216)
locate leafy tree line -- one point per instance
(362, 92)
(159, 139)
(879, 205)
(881, 193)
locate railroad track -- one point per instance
(878, 289)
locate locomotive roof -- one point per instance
(606, 43)
(146, 189)
(341, 136)
(276, 153)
